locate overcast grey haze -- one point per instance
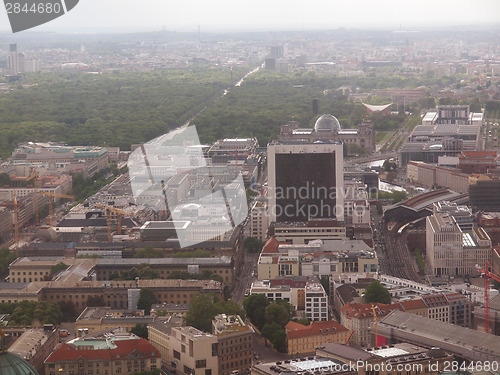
(263, 15)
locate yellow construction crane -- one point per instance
(376, 324)
(51, 196)
(16, 221)
(35, 191)
(119, 213)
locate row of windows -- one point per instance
(29, 273)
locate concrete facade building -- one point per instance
(450, 250)
(316, 302)
(303, 339)
(194, 351)
(114, 354)
(305, 181)
(259, 219)
(234, 343)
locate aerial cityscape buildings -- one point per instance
(255, 203)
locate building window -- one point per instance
(177, 355)
(201, 363)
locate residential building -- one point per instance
(259, 219)
(114, 354)
(316, 301)
(303, 339)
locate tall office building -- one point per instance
(305, 181)
(15, 60)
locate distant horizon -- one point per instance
(117, 30)
(224, 16)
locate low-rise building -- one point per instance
(303, 339)
(34, 345)
(193, 351)
(96, 319)
(159, 334)
(115, 354)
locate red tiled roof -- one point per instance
(271, 246)
(68, 352)
(412, 304)
(360, 311)
(295, 330)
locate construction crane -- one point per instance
(51, 196)
(487, 275)
(119, 213)
(376, 324)
(16, 221)
(35, 191)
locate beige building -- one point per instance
(29, 269)
(259, 219)
(118, 354)
(303, 233)
(194, 351)
(159, 336)
(96, 319)
(303, 339)
(34, 345)
(450, 250)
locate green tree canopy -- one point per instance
(204, 308)
(376, 292)
(141, 330)
(276, 313)
(253, 244)
(26, 312)
(148, 252)
(146, 299)
(255, 307)
(6, 258)
(54, 270)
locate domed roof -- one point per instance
(327, 123)
(11, 364)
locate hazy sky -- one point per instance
(262, 15)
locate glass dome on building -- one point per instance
(327, 123)
(11, 364)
